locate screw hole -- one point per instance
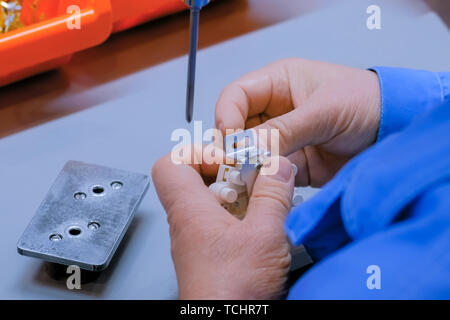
(116, 185)
(93, 225)
(80, 196)
(74, 231)
(55, 237)
(98, 190)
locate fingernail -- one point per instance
(284, 171)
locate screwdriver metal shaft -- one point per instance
(195, 19)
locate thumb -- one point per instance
(272, 193)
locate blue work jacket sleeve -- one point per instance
(406, 93)
(387, 207)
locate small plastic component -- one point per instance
(297, 198)
(230, 190)
(224, 192)
(234, 185)
(235, 178)
(242, 148)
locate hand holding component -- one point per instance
(326, 113)
(216, 255)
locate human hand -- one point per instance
(326, 113)
(216, 255)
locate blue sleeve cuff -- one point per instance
(405, 93)
(444, 79)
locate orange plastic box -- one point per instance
(48, 38)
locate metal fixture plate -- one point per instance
(84, 216)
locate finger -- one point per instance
(263, 91)
(182, 192)
(315, 167)
(253, 121)
(272, 193)
(205, 159)
(309, 124)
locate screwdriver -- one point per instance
(195, 6)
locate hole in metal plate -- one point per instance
(116, 185)
(74, 231)
(80, 196)
(98, 190)
(55, 237)
(93, 225)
